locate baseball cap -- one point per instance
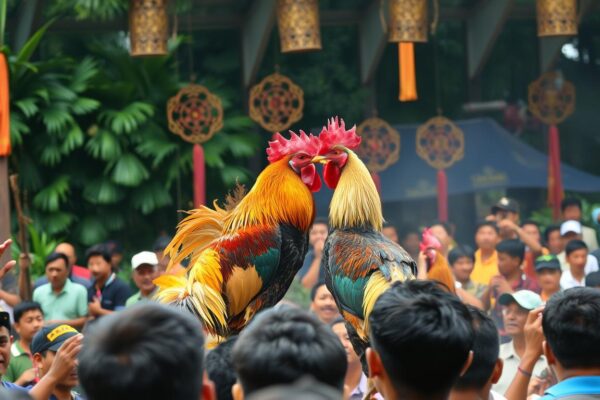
(506, 204)
(5, 320)
(144, 257)
(51, 337)
(570, 226)
(549, 261)
(524, 298)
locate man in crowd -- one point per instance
(115, 249)
(29, 319)
(571, 230)
(443, 232)
(323, 303)
(107, 293)
(577, 259)
(548, 272)
(390, 232)
(571, 325)
(145, 270)
(280, 346)
(311, 271)
(486, 368)
(77, 274)
(571, 210)
(411, 238)
(148, 352)
(44, 347)
(486, 257)
(63, 301)
(553, 239)
(5, 345)
(219, 367)
(461, 260)
(418, 331)
(532, 229)
(515, 310)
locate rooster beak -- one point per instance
(319, 159)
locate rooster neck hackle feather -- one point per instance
(355, 201)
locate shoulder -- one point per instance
(132, 299)
(42, 289)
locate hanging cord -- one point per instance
(190, 48)
(436, 66)
(436, 16)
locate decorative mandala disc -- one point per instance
(276, 103)
(195, 114)
(440, 142)
(551, 98)
(380, 145)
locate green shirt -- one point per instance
(70, 303)
(19, 363)
(136, 298)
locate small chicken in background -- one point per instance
(436, 265)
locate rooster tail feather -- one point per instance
(376, 285)
(195, 233)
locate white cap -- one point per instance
(144, 257)
(570, 226)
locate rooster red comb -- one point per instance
(281, 147)
(335, 134)
(429, 241)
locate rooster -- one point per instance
(244, 259)
(437, 266)
(360, 263)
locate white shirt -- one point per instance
(496, 396)
(591, 265)
(511, 366)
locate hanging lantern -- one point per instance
(440, 143)
(148, 27)
(298, 22)
(276, 103)
(408, 21)
(556, 17)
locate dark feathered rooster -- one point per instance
(360, 263)
(437, 265)
(244, 259)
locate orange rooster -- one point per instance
(244, 259)
(437, 266)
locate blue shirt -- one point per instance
(579, 385)
(12, 386)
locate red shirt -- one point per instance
(81, 272)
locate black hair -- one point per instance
(592, 279)
(530, 222)
(146, 352)
(513, 247)
(281, 345)
(304, 389)
(549, 230)
(313, 290)
(486, 348)
(321, 221)
(460, 252)
(25, 306)
(219, 368)
(491, 224)
(568, 202)
(575, 245)
(571, 324)
(420, 330)
(98, 250)
(57, 256)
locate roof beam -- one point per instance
(372, 40)
(483, 28)
(256, 30)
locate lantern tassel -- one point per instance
(408, 79)
(5, 148)
(442, 189)
(199, 176)
(555, 188)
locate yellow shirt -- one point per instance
(484, 270)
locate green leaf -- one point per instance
(51, 154)
(156, 148)
(17, 129)
(30, 46)
(232, 174)
(129, 171)
(28, 106)
(56, 118)
(91, 230)
(84, 71)
(104, 145)
(58, 222)
(59, 91)
(49, 198)
(84, 105)
(73, 140)
(149, 197)
(128, 119)
(243, 145)
(102, 191)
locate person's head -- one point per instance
(418, 331)
(411, 239)
(29, 319)
(577, 253)
(219, 367)
(115, 249)
(570, 230)
(553, 239)
(323, 303)
(548, 272)
(532, 229)
(281, 345)
(99, 261)
(5, 342)
(303, 389)
(510, 256)
(338, 326)
(461, 260)
(145, 270)
(148, 352)
(390, 232)
(516, 307)
(571, 325)
(571, 209)
(318, 231)
(487, 235)
(443, 232)
(159, 246)
(44, 346)
(68, 250)
(506, 208)
(486, 368)
(57, 270)
(593, 280)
